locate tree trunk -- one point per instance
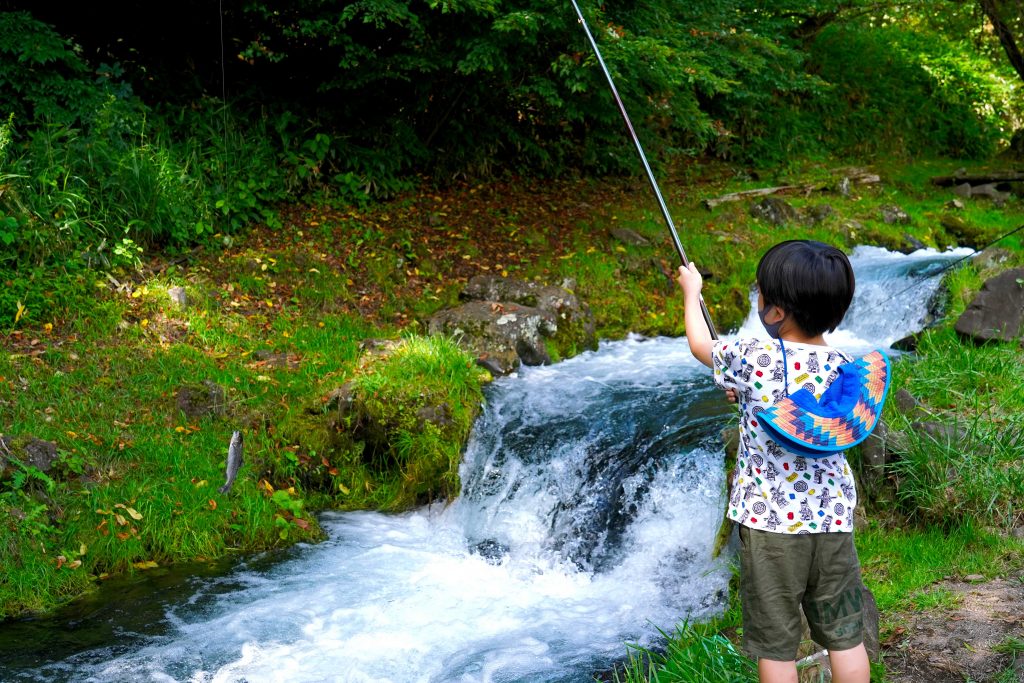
(1005, 35)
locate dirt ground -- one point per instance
(962, 643)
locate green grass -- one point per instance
(901, 565)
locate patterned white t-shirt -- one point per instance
(774, 489)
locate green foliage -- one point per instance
(897, 89)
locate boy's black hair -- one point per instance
(811, 281)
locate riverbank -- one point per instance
(279, 319)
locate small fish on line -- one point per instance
(234, 462)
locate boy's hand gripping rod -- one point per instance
(643, 158)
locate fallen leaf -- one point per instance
(133, 513)
(212, 503)
(148, 564)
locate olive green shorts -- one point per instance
(779, 573)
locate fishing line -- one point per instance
(948, 266)
(643, 158)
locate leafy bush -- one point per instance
(897, 90)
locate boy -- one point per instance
(795, 513)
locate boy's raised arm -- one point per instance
(697, 333)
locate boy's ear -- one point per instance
(774, 314)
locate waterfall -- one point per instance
(592, 492)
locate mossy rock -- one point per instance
(392, 437)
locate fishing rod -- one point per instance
(643, 158)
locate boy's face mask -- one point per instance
(771, 328)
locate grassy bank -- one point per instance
(280, 320)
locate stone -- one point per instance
(908, 343)
(872, 449)
(939, 432)
(991, 258)
(974, 578)
(892, 214)
(29, 450)
(907, 404)
(272, 359)
(869, 608)
(955, 205)
(966, 234)
(914, 243)
(991, 191)
(844, 187)
(178, 297)
(997, 312)
(774, 210)
(627, 236)
(819, 213)
(504, 334)
(574, 320)
(438, 415)
(197, 401)
(962, 190)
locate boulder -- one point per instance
(575, 329)
(774, 211)
(997, 312)
(503, 334)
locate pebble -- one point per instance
(974, 578)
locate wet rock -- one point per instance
(504, 334)
(913, 242)
(997, 312)
(631, 237)
(491, 550)
(29, 451)
(574, 328)
(908, 343)
(892, 214)
(197, 401)
(774, 210)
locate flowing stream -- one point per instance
(592, 492)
